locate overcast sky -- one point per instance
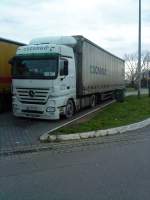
(112, 24)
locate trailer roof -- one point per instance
(85, 39)
(11, 41)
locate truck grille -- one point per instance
(32, 95)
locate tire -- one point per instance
(69, 110)
(93, 101)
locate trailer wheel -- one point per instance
(93, 101)
(69, 110)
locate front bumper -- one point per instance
(35, 111)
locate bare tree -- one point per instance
(131, 67)
(131, 63)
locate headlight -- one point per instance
(50, 109)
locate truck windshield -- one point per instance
(35, 68)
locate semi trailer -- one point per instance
(7, 51)
(56, 76)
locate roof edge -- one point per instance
(11, 41)
(89, 41)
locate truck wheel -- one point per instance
(93, 101)
(69, 111)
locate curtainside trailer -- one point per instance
(7, 51)
(56, 76)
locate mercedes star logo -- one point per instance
(31, 93)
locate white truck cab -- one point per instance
(44, 78)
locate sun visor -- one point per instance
(63, 40)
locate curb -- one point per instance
(93, 134)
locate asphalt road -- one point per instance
(109, 168)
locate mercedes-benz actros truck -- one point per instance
(56, 76)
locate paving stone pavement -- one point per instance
(17, 134)
(20, 132)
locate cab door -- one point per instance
(64, 76)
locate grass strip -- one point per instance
(117, 114)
